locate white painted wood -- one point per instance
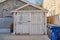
(22, 7)
(22, 29)
(23, 22)
(30, 22)
(29, 11)
(14, 23)
(45, 28)
(37, 18)
(37, 23)
(36, 29)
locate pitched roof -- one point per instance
(29, 3)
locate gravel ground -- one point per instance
(23, 37)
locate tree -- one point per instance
(38, 3)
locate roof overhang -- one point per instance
(29, 3)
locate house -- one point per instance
(53, 7)
(6, 18)
(29, 19)
(8, 5)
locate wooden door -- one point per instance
(32, 23)
(37, 23)
(23, 23)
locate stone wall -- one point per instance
(9, 5)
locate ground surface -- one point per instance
(23, 37)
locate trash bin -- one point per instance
(49, 31)
(54, 33)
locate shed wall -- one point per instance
(32, 23)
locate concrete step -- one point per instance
(4, 30)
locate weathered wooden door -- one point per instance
(37, 23)
(23, 22)
(30, 22)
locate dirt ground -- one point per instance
(23, 37)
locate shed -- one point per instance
(30, 19)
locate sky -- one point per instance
(33, 1)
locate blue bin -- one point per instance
(49, 31)
(54, 32)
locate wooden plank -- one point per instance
(50, 20)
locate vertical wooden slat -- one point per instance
(50, 20)
(14, 23)
(31, 22)
(37, 23)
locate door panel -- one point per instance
(36, 29)
(32, 23)
(37, 18)
(22, 29)
(37, 23)
(23, 22)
